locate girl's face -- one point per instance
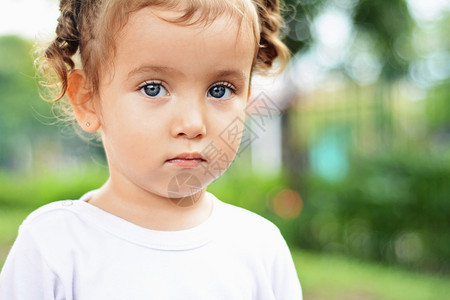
(172, 105)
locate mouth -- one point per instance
(187, 160)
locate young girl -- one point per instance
(165, 84)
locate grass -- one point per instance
(329, 277)
(336, 277)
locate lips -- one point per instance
(187, 160)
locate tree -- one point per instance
(22, 111)
(387, 23)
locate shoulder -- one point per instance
(244, 224)
(57, 213)
(239, 216)
(51, 214)
(54, 225)
(245, 232)
(55, 229)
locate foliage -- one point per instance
(32, 192)
(22, 112)
(298, 16)
(438, 108)
(387, 22)
(18, 93)
(391, 208)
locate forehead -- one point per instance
(149, 38)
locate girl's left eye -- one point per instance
(220, 91)
(154, 90)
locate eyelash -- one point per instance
(226, 84)
(159, 82)
(149, 82)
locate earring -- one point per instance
(87, 124)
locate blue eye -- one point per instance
(154, 90)
(220, 91)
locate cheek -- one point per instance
(130, 134)
(224, 142)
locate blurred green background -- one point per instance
(362, 189)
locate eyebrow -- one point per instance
(238, 75)
(155, 69)
(235, 74)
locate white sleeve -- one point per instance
(25, 275)
(285, 282)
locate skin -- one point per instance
(140, 133)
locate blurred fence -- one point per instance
(371, 169)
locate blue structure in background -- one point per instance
(329, 154)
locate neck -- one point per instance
(150, 210)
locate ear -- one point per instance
(82, 101)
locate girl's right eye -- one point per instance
(154, 89)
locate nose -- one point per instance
(189, 120)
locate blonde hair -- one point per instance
(88, 27)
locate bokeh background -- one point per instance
(355, 170)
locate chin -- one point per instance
(185, 184)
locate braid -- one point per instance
(59, 53)
(271, 47)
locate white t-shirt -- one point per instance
(74, 250)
